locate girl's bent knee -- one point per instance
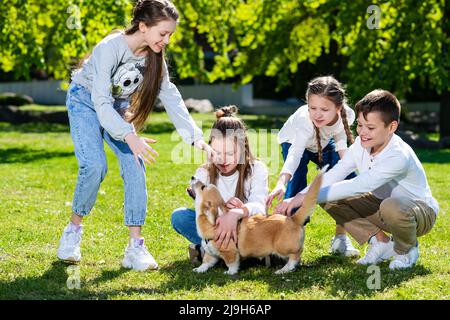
(177, 216)
(97, 171)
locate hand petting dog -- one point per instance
(259, 235)
(226, 225)
(287, 206)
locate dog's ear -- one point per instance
(206, 206)
(210, 212)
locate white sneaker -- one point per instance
(137, 256)
(404, 261)
(378, 251)
(342, 245)
(69, 244)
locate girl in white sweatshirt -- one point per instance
(110, 97)
(241, 179)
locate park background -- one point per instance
(266, 51)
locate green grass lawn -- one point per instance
(38, 174)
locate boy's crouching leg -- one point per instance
(407, 219)
(352, 214)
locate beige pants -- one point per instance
(365, 215)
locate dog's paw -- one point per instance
(201, 269)
(284, 270)
(230, 272)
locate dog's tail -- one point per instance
(309, 203)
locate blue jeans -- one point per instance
(183, 221)
(88, 135)
(298, 181)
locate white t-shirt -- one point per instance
(300, 132)
(394, 172)
(256, 186)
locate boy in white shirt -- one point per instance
(390, 194)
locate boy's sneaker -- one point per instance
(342, 245)
(196, 253)
(69, 244)
(137, 256)
(378, 251)
(404, 261)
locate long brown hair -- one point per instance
(328, 87)
(150, 12)
(226, 125)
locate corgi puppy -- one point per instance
(258, 235)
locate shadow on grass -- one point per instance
(108, 275)
(348, 280)
(339, 276)
(34, 127)
(159, 127)
(53, 285)
(27, 155)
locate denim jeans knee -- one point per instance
(183, 221)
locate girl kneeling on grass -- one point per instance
(240, 178)
(317, 132)
(110, 98)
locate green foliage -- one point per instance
(247, 38)
(411, 43)
(250, 37)
(273, 38)
(53, 35)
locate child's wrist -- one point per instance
(246, 211)
(200, 144)
(238, 213)
(130, 137)
(281, 184)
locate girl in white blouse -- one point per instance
(318, 132)
(241, 179)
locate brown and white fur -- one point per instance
(258, 235)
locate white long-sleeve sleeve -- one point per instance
(177, 111)
(258, 189)
(339, 172)
(384, 172)
(298, 146)
(202, 174)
